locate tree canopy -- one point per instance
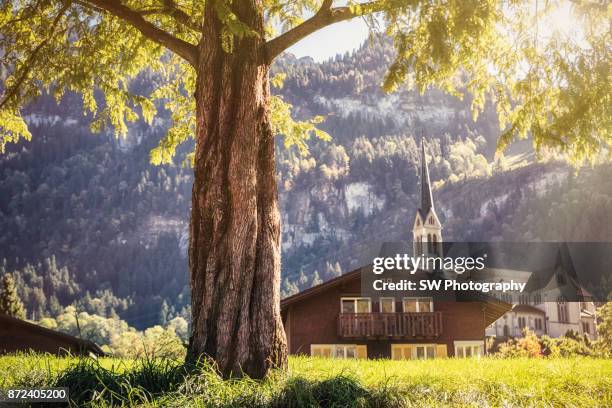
(543, 82)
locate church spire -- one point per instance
(427, 228)
(426, 197)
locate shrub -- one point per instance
(550, 348)
(526, 346)
(570, 345)
(48, 322)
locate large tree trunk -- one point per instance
(234, 251)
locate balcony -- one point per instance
(390, 325)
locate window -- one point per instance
(321, 350)
(586, 327)
(415, 351)
(425, 352)
(418, 223)
(339, 350)
(387, 305)
(537, 299)
(524, 299)
(562, 311)
(419, 249)
(401, 351)
(538, 323)
(345, 351)
(418, 305)
(521, 322)
(435, 244)
(465, 349)
(560, 278)
(356, 305)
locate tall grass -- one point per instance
(142, 381)
(318, 382)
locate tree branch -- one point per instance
(182, 48)
(327, 15)
(171, 9)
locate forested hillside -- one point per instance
(85, 219)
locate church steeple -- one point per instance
(426, 197)
(427, 228)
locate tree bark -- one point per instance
(234, 250)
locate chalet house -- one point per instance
(334, 319)
(18, 335)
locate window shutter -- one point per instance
(362, 351)
(441, 351)
(396, 353)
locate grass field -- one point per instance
(313, 382)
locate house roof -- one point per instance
(564, 264)
(527, 309)
(586, 313)
(305, 294)
(494, 308)
(84, 345)
(542, 277)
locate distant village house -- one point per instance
(17, 335)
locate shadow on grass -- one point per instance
(337, 392)
(158, 382)
(144, 380)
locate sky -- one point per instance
(348, 35)
(329, 41)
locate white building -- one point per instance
(544, 308)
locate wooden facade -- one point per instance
(314, 319)
(17, 335)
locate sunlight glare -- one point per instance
(561, 21)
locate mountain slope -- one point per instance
(85, 218)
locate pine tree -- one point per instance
(54, 306)
(163, 313)
(10, 303)
(316, 279)
(337, 270)
(302, 280)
